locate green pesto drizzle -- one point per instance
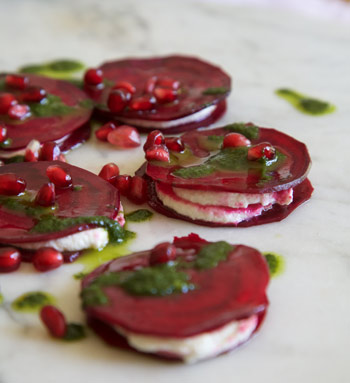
(305, 103)
(6, 143)
(140, 215)
(275, 263)
(32, 301)
(60, 69)
(14, 159)
(249, 130)
(51, 105)
(215, 91)
(74, 331)
(1, 299)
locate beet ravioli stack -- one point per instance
(189, 300)
(237, 175)
(172, 94)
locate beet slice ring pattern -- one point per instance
(200, 96)
(76, 211)
(62, 116)
(215, 186)
(228, 296)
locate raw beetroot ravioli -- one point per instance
(189, 300)
(76, 211)
(215, 182)
(47, 110)
(173, 94)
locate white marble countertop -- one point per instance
(305, 337)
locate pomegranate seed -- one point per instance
(122, 183)
(47, 258)
(117, 100)
(16, 81)
(6, 101)
(46, 195)
(59, 176)
(263, 150)
(142, 103)
(109, 172)
(10, 259)
(18, 111)
(232, 140)
(10, 184)
(158, 153)
(164, 95)
(33, 94)
(32, 151)
(93, 77)
(151, 84)
(154, 138)
(54, 321)
(50, 151)
(162, 253)
(175, 144)
(3, 132)
(138, 190)
(169, 83)
(102, 132)
(126, 86)
(124, 137)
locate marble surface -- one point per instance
(306, 334)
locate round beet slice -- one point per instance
(62, 116)
(232, 289)
(201, 85)
(80, 200)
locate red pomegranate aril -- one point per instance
(142, 103)
(32, 151)
(162, 253)
(16, 81)
(46, 195)
(158, 153)
(3, 133)
(109, 172)
(118, 99)
(102, 132)
(6, 101)
(93, 77)
(164, 95)
(50, 151)
(126, 86)
(122, 183)
(18, 111)
(154, 138)
(168, 83)
(262, 150)
(59, 177)
(33, 94)
(54, 321)
(124, 137)
(11, 184)
(233, 140)
(10, 259)
(47, 258)
(138, 190)
(151, 84)
(175, 144)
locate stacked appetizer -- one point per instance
(188, 300)
(237, 175)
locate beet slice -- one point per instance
(235, 289)
(198, 81)
(55, 127)
(79, 201)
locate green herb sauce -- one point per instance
(250, 131)
(275, 262)
(6, 143)
(14, 159)
(1, 299)
(32, 301)
(51, 105)
(140, 215)
(306, 104)
(215, 91)
(74, 331)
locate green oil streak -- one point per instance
(140, 215)
(74, 331)
(215, 91)
(276, 264)
(306, 104)
(1, 299)
(32, 302)
(248, 130)
(51, 105)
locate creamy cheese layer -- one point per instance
(195, 348)
(195, 117)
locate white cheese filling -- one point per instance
(195, 117)
(198, 347)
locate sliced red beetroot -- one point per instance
(78, 201)
(201, 84)
(291, 172)
(52, 127)
(235, 289)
